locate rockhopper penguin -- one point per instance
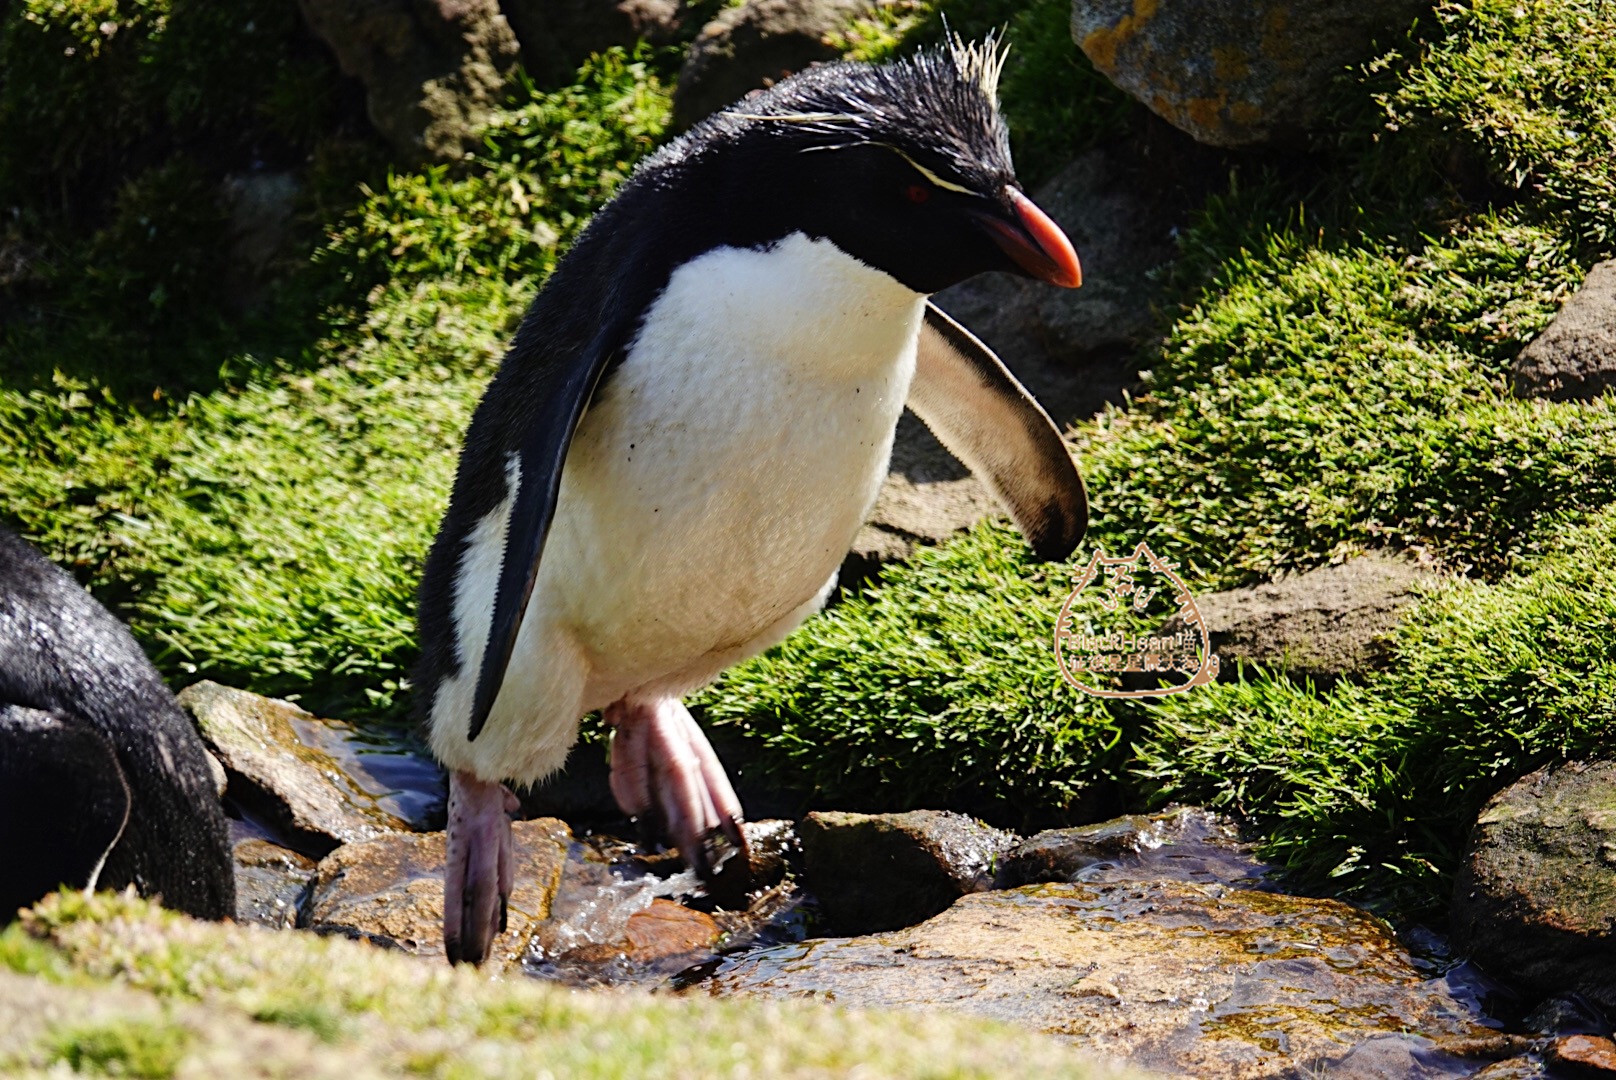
(692, 422)
(103, 779)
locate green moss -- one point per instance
(1373, 788)
(173, 994)
(294, 1012)
(269, 534)
(1530, 89)
(147, 1050)
(936, 687)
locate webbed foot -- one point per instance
(666, 776)
(477, 882)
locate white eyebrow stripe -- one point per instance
(796, 118)
(927, 173)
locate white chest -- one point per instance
(718, 479)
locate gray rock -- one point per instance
(754, 45)
(260, 205)
(432, 69)
(1535, 900)
(1183, 844)
(1233, 73)
(389, 890)
(1184, 979)
(270, 883)
(315, 780)
(1121, 234)
(1575, 356)
(1325, 625)
(557, 35)
(876, 872)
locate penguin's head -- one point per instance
(905, 166)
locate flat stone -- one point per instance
(1591, 1053)
(875, 872)
(271, 882)
(1234, 73)
(1181, 978)
(1535, 899)
(388, 891)
(315, 780)
(1575, 356)
(661, 936)
(1324, 625)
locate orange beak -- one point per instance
(1035, 242)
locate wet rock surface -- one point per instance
(1229, 73)
(754, 45)
(320, 782)
(1589, 1054)
(271, 882)
(876, 872)
(1324, 625)
(389, 890)
(1575, 356)
(1183, 844)
(1183, 978)
(432, 69)
(1167, 944)
(622, 918)
(1535, 900)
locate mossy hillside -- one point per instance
(118, 121)
(1373, 788)
(269, 533)
(1335, 381)
(109, 985)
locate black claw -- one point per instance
(650, 829)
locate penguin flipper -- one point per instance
(984, 417)
(521, 436)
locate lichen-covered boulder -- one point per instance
(754, 45)
(557, 35)
(314, 780)
(432, 69)
(1234, 72)
(1535, 901)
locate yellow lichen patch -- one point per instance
(1229, 64)
(1101, 45)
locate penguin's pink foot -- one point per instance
(478, 880)
(666, 776)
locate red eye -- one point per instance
(917, 193)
